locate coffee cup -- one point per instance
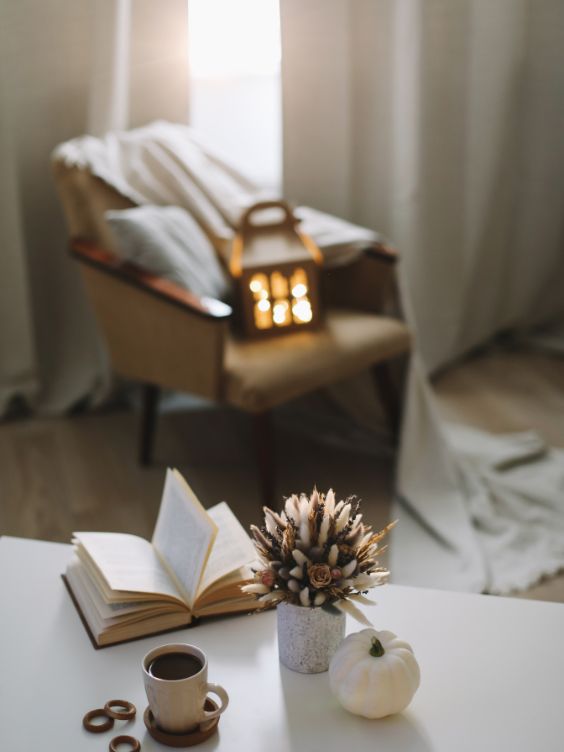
(176, 683)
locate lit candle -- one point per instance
(281, 313)
(259, 286)
(279, 285)
(299, 290)
(302, 311)
(263, 319)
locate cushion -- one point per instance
(167, 241)
(257, 373)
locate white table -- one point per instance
(492, 673)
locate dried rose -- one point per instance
(319, 575)
(267, 577)
(316, 551)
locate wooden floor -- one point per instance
(80, 473)
(509, 390)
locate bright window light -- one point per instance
(234, 52)
(230, 38)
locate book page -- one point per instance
(184, 534)
(127, 562)
(80, 580)
(232, 548)
(226, 588)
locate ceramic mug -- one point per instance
(177, 704)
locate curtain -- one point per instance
(68, 67)
(440, 124)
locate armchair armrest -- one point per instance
(368, 284)
(89, 253)
(156, 332)
(382, 252)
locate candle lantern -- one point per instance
(276, 269)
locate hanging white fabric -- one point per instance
(68, 69)
(442, 126)
(18, 363)
(483, 254)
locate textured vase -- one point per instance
(308, 637)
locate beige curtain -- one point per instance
(483, 231)
(68, 67)
(440, 124)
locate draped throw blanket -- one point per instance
(167, 164)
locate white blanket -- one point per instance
(515, 488)
(509, 487)
(167, 164)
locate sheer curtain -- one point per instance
(440, 123)
(68, 67)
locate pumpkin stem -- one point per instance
(377, 649)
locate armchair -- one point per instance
(162, 336)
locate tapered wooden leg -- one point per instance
(149, 404)
(264, 449)
(388, 393)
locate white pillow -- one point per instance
(167, 241)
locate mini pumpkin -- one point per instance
(374, 674)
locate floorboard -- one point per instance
(65, 474)
(81, 473)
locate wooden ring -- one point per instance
(97, 728)
(131, 740)
(126, 714)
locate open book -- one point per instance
(126, 587)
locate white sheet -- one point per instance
(167, 164)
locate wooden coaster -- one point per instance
(121, 710)
(97, 728)
(197, 736)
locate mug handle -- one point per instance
(216, 689)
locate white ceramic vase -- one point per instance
(308, 636)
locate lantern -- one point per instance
(276, 268)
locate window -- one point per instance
(234, 53)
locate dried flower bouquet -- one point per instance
(317, 552)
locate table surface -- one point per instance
(492, 672)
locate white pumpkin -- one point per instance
(374, 674)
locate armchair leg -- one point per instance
(150, 401)
(264, 450)
(389, 397)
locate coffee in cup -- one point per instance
(176, 683)
(174, 666)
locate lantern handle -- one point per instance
(289, 221)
